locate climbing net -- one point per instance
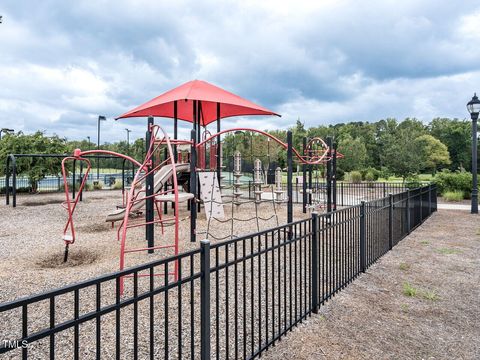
(236, 200)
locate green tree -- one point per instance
(354, 151)
(34, 168)
(399, 154)
(433, 153)
(456, 135)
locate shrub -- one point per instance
(454, 181)
(369, 176)
(453, 195)
(385, 173)
(413, 182)
(97, 185)
(340, 174)
(374, 173)
(354, 177)
(118, 185)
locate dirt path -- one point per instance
(420, 301)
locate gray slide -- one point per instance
(161, 177)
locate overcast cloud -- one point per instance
(64, 63)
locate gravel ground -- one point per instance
(31, 262)
(32, 247)
(373, 318)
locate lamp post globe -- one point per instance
(473, 107)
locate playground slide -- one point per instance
(161, 177)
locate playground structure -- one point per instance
(165, 188)
(156, 182)
(259, 286)
(165, 169)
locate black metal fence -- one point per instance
(114, 171)
(232, 299)
(344, 194)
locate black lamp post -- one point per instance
(89, 142)
(5, 131)
(473, 107)
(128, 138)
(100, 118)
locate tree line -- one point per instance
(390, 147)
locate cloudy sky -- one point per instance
(62, 63)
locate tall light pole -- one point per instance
(89, 142)
(473, 107)
(128, 138)
(5, 131)
(100, 118)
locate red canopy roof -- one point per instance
(208, 94)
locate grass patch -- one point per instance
(409, 290)
(448, 251)
(430, 295)
(424, 242)
(404, 266)
(453, 196)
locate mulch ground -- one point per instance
(420, 301)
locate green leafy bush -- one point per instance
(413, 182)
(453, 195)
(460, 181)
(372, 173)
(369, 176)
(340, 174)
(97, 185)
(354, 177)
(118, 185)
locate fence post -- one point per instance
(421, 204)
(363, 253)
(289, 177)
(390, 221)
(329, 176)
(408, 211)
(429, 199)
(205, 300)
(315, 262)
(341, 188)
(7, 181)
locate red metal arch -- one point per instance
(303, 159)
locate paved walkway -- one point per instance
(454, 207)
(419, 301)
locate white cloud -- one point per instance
(325, 62)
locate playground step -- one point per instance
(182, 197)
